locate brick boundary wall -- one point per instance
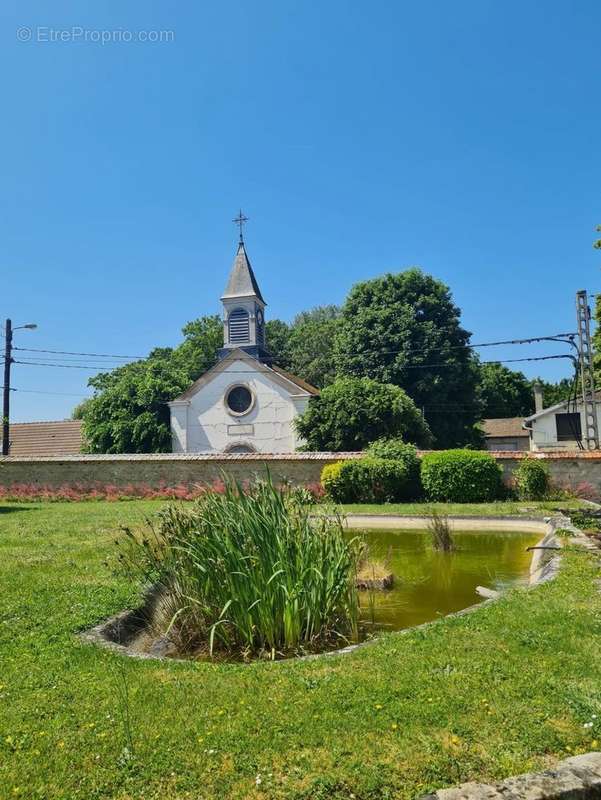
(571, 468)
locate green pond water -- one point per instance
(429, 584)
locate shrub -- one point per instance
(460, 476)
(397, 450)
(531, 479)
(352, 412)
(393, 449)
(332, 483)
(370, 480)
(249, 572)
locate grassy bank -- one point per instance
(503, 690)
(527, 508)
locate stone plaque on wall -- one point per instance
(240, 430)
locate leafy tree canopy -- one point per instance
(311, 345)
(128, 412)
(504, 392)
(305, 346)
(277, 335)
(404, 329)
(352, 412)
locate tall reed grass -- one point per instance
(440, 530)
(250, 573)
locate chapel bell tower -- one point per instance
(243, 308)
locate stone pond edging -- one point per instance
(575, 778)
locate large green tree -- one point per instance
(503, 392)
(353, 412)
(311, 345)
(404, 329)
(128, 412)
(277, 335)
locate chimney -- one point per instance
(537, 388)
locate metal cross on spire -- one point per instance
(240, 220)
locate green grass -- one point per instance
(527, 508)
(503, 690)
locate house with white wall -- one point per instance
(559, 427)
(245, 403)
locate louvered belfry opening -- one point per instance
(239, 326)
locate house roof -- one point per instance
(63, 438)
(242, 281)
(279, 375)
(504, 426)
(574, 402)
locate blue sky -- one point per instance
(359, 138)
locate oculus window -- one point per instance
(239, 400)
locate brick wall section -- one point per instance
(173, 469)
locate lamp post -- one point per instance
(8, 358)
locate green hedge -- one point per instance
(371, 480)
(460, 476)
(531, 479)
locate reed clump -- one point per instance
(440, 530)
(249, 573)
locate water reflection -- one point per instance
(429, 583)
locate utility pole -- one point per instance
(587, 376)
(8, 360)
(8, 357)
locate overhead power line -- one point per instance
(528, 340)
(67, 353)
(446, 365)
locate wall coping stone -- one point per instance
(212, 457)
(500, 455)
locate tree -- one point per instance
(128, 412)
(311, 345)
(597, 242)
(404, 329)
(277, 335)
(352, 412)
(504, 392)
(198, 352)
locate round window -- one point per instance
(239, 400)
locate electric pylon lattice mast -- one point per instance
(587, 376)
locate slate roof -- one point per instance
(62, 438)
(295, 379)
(242, 281)
(504, 426)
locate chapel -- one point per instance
(245, 403)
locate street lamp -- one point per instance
(8, 359)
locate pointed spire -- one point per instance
(242, 281)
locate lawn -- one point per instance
(508, 688)
(527, 508)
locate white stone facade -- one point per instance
(202, 422)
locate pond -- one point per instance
(429, 583)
